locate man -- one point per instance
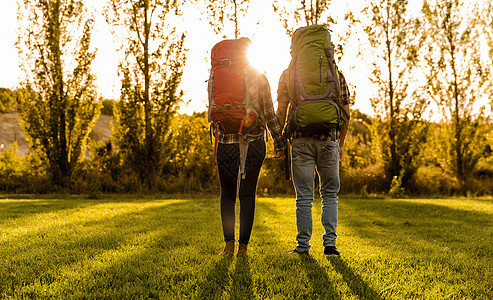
(320, 152)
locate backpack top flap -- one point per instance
(312, 72)
(232, 52)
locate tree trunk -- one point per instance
(62, 174)
(147, 109)
(236, 18)
(457, 120)
(394, 160)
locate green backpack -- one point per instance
(313, 82)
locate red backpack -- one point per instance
(233, 90)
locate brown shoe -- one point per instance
(229, 249)
(242, 249)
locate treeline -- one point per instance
(440, 55)
(188, 167)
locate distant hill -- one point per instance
(10, 131)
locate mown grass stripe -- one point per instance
(132, 248)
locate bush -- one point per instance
(107, 107)
(272, 180)
(187, 168)
(432, 180)
(22, 174)
(371, 179)
(8, 100)
(102, 173)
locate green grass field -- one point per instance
(128, 248)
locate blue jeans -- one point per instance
(310, 155)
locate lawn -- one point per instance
(166, 247)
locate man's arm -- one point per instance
(345, 96)
(282, 106)
(271, 119)
(282, 99)
(343, 133)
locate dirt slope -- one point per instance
(10, 131)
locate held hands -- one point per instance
(278, 155)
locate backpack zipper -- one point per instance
(320, 69)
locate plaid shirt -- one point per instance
(283, 103)
(267, 114)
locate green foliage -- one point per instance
(58, 105)
(364, 181)
(220, 12)
(8, 101)
(357, 146)
(410, 137)
(296, 13)
(456, 81)
(137, 248)
(272, 178)
(107, 106)
(396, 190)
(474, 143)
(104, 172)
(188, 165)
(22, 175)
(151, 74)
(398, 131)
(11, 167)
(154, 148)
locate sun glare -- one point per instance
(269, 58)
(257, 57)
(269, 51)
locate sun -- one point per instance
(270, 49)
(268, 56)
(271, 58)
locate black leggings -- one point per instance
(228, 159)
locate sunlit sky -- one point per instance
(270, 52)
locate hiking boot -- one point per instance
(331, 251)
(302, 252)
(229, 249)
(242, 249)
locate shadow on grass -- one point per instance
(353, 280)
(318, 284)
(136, 252)
(242, 279)
(428, 242)
(407, 223)
(14, 209)
(321, 285)
(216, 280)
(17, 207)
(219, 278)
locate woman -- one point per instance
(240, 148)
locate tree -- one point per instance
(150, 73)
(358, 141)
(222, 11)
(293, 13)
(455, 82)
(398, 131)
(58, 103)
(191, 156)
(487, 33)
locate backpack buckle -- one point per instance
(226, 62)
